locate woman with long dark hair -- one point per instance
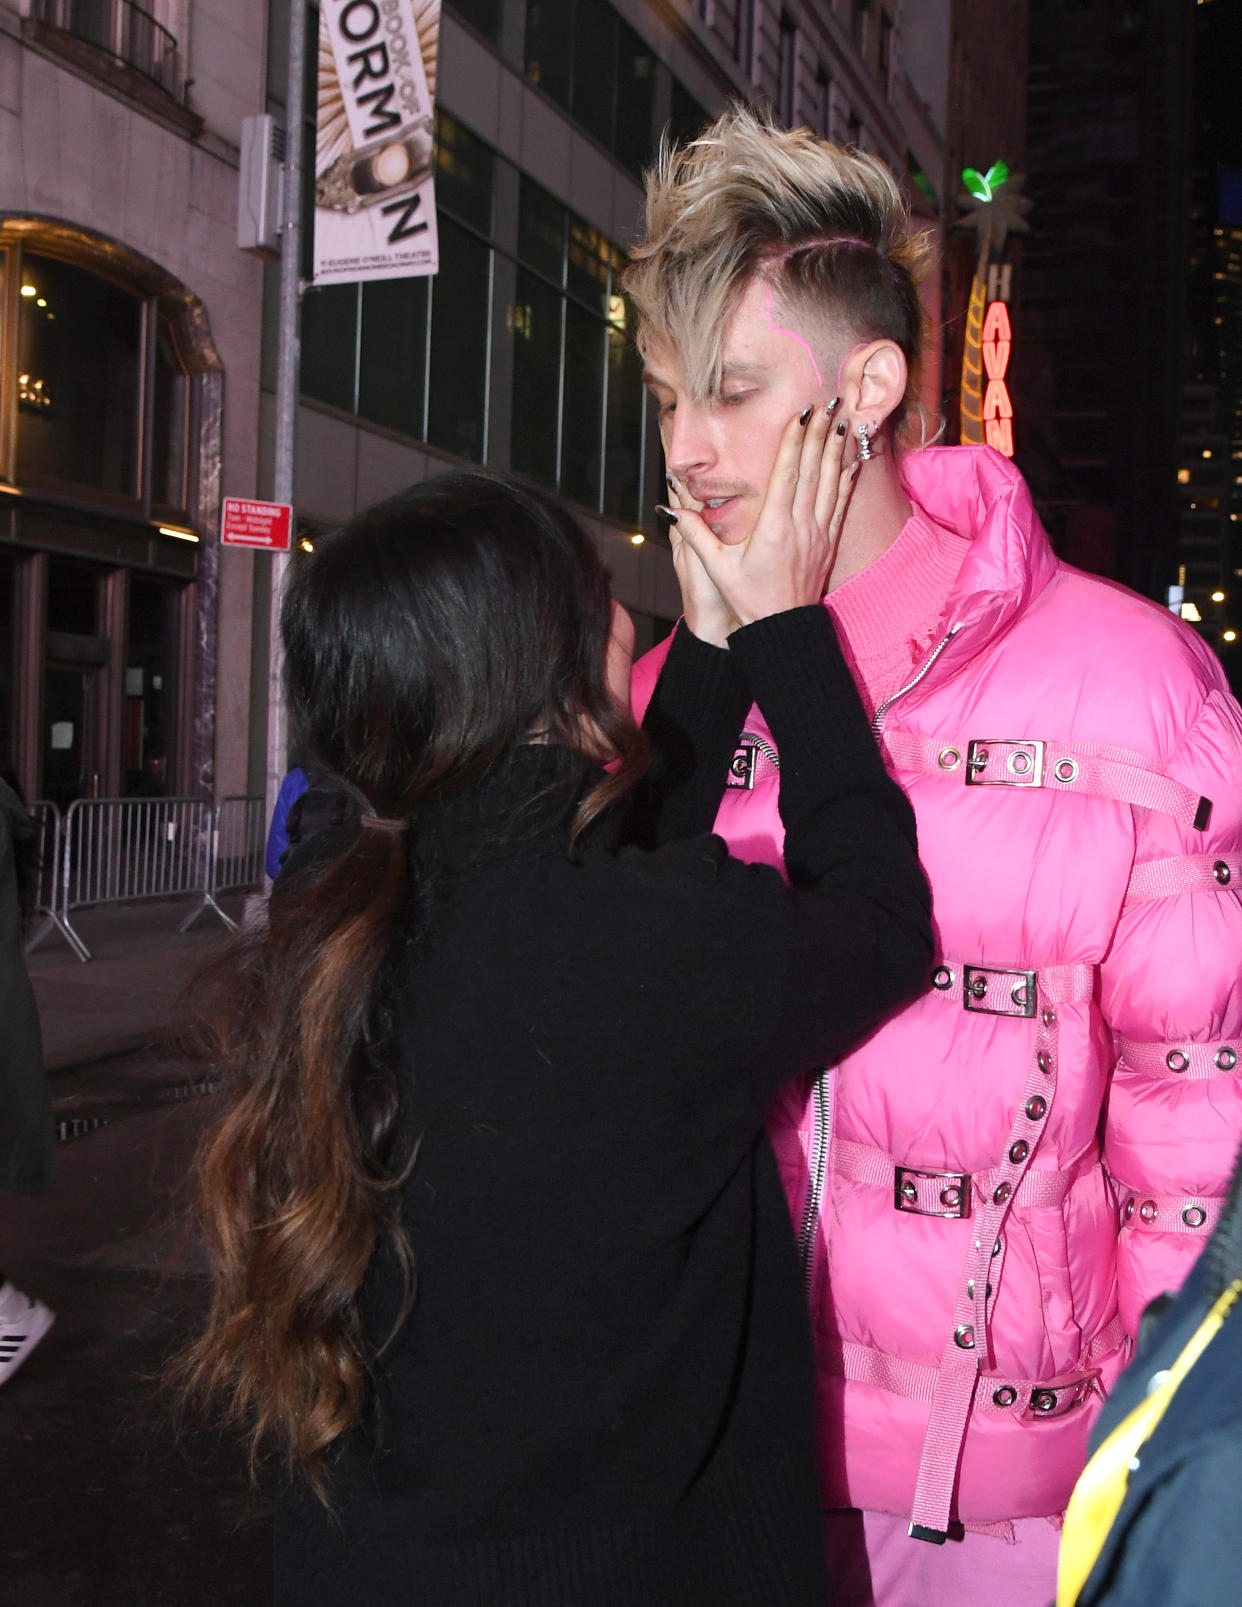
(502, 1268)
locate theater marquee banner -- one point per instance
(375, 215)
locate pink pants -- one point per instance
(872, 1562)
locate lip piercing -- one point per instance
(864, 442)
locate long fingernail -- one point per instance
(854, 467)
(832, 407)
(670, 480)
(804, 416)
(667, 514)
(842, 428)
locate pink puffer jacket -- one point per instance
(990, 1189)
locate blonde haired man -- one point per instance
(991, 1187)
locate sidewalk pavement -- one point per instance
(125, 998)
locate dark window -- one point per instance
(330, 345)
(687, 118)
(392, 366)
(460, 318)
(886, 52)
(636, 81)
(541, 232)
(536, 377)
(463, 174)
(744, 39)
(8, 653)
(595, 68)
(484, 15)
(589, 256)
(549, 47)
(858, 22)
(788, 96)
(72, 597)
(823, 102)
(169, 425)
(79, 378)
(623, 421)
(149, 713)
(585, 342)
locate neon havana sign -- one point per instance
(997, 407)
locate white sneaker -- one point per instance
(23, 1323)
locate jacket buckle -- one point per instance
(1004, 762)
(979, 994)
(741, 776)
(952, 1199)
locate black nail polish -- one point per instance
(666, 514)
(804, 416)
(832, 407)
(842, 428)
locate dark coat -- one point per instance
(604, 1393)
(25, 1103)
(1175, 1540)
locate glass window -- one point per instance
(79, 378)
(624, 423)
(463, 174)
(150, 704)
(582, 408)
(541, 232)
(170, 424)
(392, 371)
(549, 47)
(635, 119)
(589, 258)
(330, 345)
(460, 319)
(8, 656)
(595, 68)
(536, 377)
(686, 118)
(481, 14)
(73, 597)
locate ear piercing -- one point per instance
(864, 442)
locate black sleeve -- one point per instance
(854, 935)
(692, 722)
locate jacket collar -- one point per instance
(980, 494)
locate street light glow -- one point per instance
(1218, 596)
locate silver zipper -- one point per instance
(877, 719)
(765, 747)
(817, 1169)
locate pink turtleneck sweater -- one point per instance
(891, 612)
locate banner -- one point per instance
(375, 215)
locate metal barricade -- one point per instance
(122, 850)
(48, 848)
(238, 841)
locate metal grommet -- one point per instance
(1001, 1193)
(951, 1196)
(964, 1337)
(1148, 1210)
(970, 1291)
(1005, 1395)
(1226, 1058)
(1049, 1016)
(942, 978)
(1043, 1400)
(1066, 770)
(996, 1248)
(1036, 1108)
(1221, 872)
(949, 758)
(1018, 1152)
(978, 987)
(1044, 1061)
(1129, 1210)
(1194, 1216)
(1019, 763)
(1176, 1060)
(909, 1192)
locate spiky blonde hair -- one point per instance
(828, 227)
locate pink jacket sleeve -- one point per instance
(1171, 991)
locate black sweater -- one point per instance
(604, 1395)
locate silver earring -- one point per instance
(864, 442)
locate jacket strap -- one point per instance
(943, 1193)
(1182, 1062)
(1092, 768)
(1141, 1211)
(1184, 873)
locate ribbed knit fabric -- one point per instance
(891, 612)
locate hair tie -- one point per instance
(379, 823)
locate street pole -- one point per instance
(288, 364)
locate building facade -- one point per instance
(138, 342)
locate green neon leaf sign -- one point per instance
(985, 185)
